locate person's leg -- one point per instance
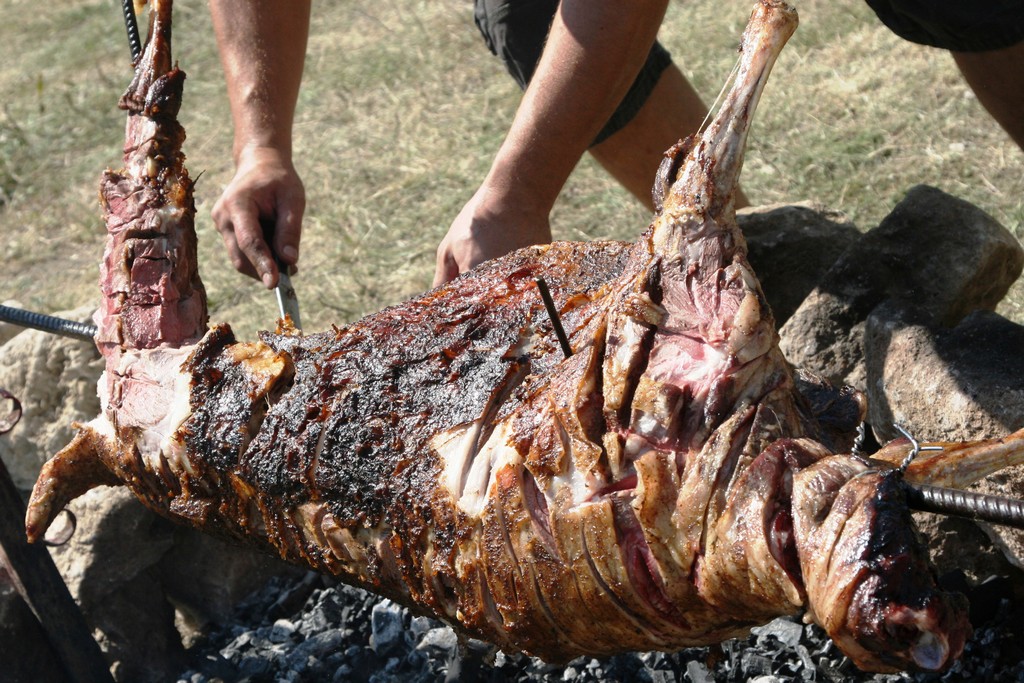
(997, 78)
(633, 153)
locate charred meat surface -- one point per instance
(673, 479)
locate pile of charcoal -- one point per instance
(312, 629)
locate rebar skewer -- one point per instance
(131, 25)
(48, 323)
(978, 506)
(556, 322)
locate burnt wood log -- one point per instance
(43, 589)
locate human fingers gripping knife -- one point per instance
(481, 232)
(259, 215)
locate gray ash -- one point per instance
(313, 630)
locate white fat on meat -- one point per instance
(150, 393)
(469, 469)
(456, 447)
(468, 466)
(493, 453)
(621, 359)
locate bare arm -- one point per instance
(594, 51)
(262, 48)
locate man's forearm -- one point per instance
(594, 51)
(262, 48)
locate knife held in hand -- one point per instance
(287, 301)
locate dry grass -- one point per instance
(401, 111)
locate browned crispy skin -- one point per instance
(450, 355)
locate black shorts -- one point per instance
(958, 25)
(516, 30)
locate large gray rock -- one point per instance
(955, 384)
(791, 247)
(941, 254)
(959, 384)
(8, 330)
(205, 577)
(138, 578)
(55, 380)
(108, 567)
(960, 545)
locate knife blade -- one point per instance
(287, 300)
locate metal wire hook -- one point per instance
(947, 501)
(915, 449)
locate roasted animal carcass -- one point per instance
(671, 483)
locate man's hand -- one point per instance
(266, 191)
(487, 228)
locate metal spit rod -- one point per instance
(48, 323)
(978, 506)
